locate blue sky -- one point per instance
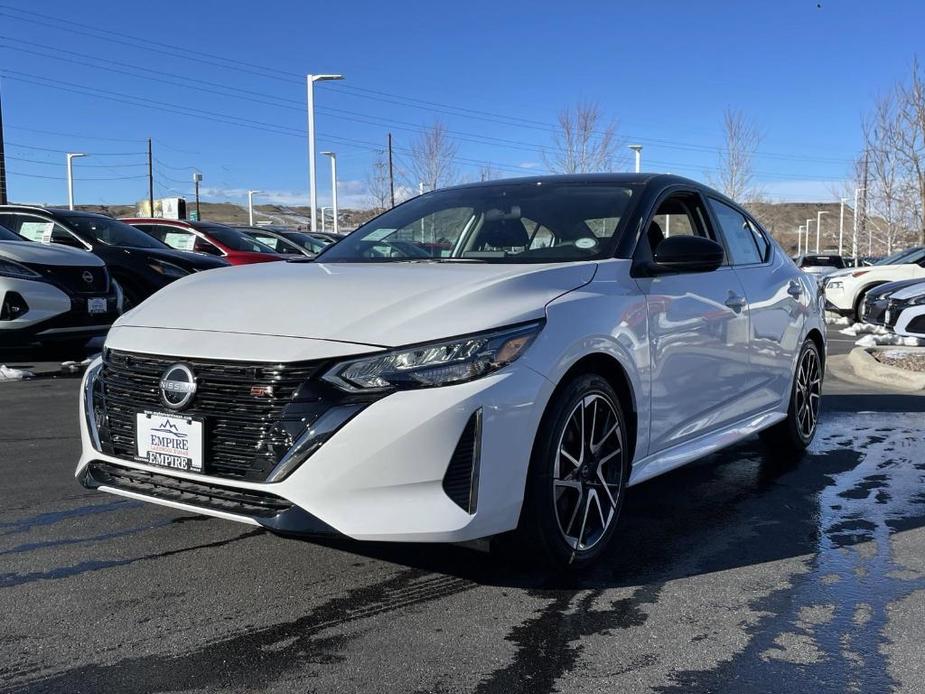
(101, 76)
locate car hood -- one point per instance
(185, 259)
(47, 254)
(381, 304)
(875, 270)
(908, 291)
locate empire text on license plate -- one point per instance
(169, 440)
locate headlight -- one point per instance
(10, 269)
(93, 409)
(834, 284)
(435, 364)
(166, 269)
(916, 300)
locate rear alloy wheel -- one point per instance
(578, 474)
(797, 431)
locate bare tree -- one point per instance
(735, 166)
(432, 159)
(910, 141)
(583, 143)
(377, 183)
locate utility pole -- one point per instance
(841, 225)
(197, 179)
(391, 173)
(150, 179)
(3, 197)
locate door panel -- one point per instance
(777, 313)
(698, 332)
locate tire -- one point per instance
(570, 511)
(796, 432)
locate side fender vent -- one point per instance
(461, 481)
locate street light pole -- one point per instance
(250, 206)
(800, 240)
(312, 187)
(637, 149)
(323, 217)
(70, 177)
(854, 233)
(819, 214)
(333, 186)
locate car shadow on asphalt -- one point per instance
(747, 505)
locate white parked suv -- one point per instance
(52, 294)
(845, 290)
(481, 359)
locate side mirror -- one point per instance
(687, 254)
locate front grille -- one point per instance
(74, 279)
(241, 432)
(202, 494)
(461, 480)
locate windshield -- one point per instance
(7, 235)
(307, 242)
(279, 244)
(506, 223)
(232, 238)
(111, 232)
(897, 258)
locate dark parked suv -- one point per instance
(140, 264)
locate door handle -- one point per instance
(795, 289)
(736, 302)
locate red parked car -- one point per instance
(207, 237)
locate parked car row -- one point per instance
(846, 290)
(66, 275)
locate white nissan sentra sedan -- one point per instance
(504, 356)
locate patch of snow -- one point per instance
(10, 374)
(879, 339)
(835, 319)
(900, 353)
(73, 367)
(865, 329)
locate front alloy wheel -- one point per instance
(588, 472)
(577, 476)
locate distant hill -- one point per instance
(231, 213)
(781, 219)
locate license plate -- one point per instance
(169, 440)
(96, 305)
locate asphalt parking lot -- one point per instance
(743, 572)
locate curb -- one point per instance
(865, 366)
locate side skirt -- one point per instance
(676, 456)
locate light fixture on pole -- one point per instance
(197, 179)
(322, 217)
(819, 214)
(312, 187)
(638, 151)
(250, 205)
(70, 177)
(333, 187)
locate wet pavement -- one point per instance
(744, 572)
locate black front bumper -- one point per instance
(269, 510)
(832, 308)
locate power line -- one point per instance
(64, 151)
(63, 178)
(361, 92)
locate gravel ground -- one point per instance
(901, 358)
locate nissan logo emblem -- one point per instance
(87, 276)
(178, 386)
